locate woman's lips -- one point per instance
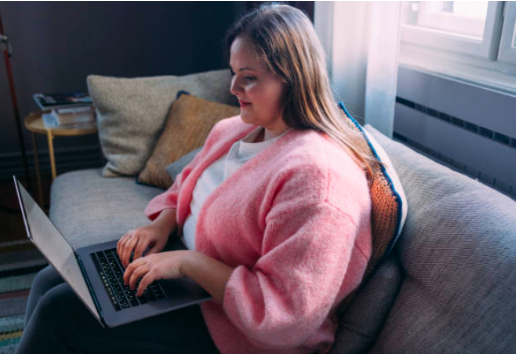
(243, 104)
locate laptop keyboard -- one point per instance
(111, 272)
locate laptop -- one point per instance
(96, 275)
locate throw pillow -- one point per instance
(131, 113)
(389, 205)
(188, 124)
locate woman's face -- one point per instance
(259, 92)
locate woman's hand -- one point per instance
(154, 236)
(138, 240)
(208, 272)
(166, 265)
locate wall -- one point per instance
(57, 44)
(467, 127)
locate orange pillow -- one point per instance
(188, 124)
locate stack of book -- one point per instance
(67, 110)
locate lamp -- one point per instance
(8, 52)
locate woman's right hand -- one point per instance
(138, 240)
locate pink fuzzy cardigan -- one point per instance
(294, 223)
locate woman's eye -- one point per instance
(246, 78)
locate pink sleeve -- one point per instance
(290, 291)
(168, 200)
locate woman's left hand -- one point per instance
(165, 265)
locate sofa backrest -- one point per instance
(458, 255)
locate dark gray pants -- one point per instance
(58, 322)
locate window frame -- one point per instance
(489, 71)
(447, 22)
(486, 48)
(507, 50)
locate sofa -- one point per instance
(448, 286)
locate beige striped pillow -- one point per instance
(131, 112)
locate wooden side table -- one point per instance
(34, 123)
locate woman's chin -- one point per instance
(246, 117)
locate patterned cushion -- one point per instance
(363, 312)
(389, 204)
(188, 124)
(132, 112)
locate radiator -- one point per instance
(466, 127)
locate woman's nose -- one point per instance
(235, 88)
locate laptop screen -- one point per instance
(47, 238)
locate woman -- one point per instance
(275, 212)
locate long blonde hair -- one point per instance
(285, 38)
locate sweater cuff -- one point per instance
(158, 204)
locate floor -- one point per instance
(19, 263)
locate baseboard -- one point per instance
(67, 159)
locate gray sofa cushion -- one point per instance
(176, 167)
(458, 253)
(360, 324)
(88, 208)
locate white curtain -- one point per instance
(362, 44)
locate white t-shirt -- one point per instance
(241, 152)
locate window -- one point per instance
(474, 41)
(460, 18)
